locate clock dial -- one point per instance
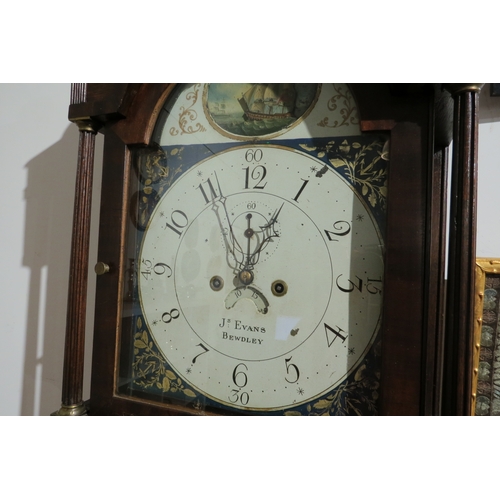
(260, 277)
(256, 268)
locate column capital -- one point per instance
(87, 124)
(459, 88)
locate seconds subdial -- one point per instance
(256, 227)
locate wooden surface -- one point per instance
(77, 291)
(420, 123)
(437, 232)
(457, 381)
(405, 271)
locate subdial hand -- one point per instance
(248, 234)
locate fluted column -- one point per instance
(457, 376)
(72, 390)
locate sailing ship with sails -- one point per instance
(264, 101)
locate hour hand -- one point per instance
(220, 209)
(230, 241)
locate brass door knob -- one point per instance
(101, 268)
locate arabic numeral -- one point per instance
(253, 155)
(159, 269)
(372, 286)
(341, 227)
(258, 174)
(332, 334)
(236, 396)
(351, 285)
(205, 350)
(304, 184)
(169, 316)
(240, 378)
(291, 369)
(212, 192)
(179, 221)
(146, 268)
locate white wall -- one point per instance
(488, 205)
(38, 152)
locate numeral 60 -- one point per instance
(253, 155)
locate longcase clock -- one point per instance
(264, 249)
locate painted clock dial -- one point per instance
(257, 291)
(259, 264)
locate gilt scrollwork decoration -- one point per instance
(348, 113)
(156, 175)
(356, 396)
(150, 369)
(188, 115)
(369, 172)
(364, 165)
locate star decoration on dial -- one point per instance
(360, 218)
(351, 351)
(188, 371)
(300, 391)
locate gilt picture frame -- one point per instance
(486, 362)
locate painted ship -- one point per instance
(264, 101)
